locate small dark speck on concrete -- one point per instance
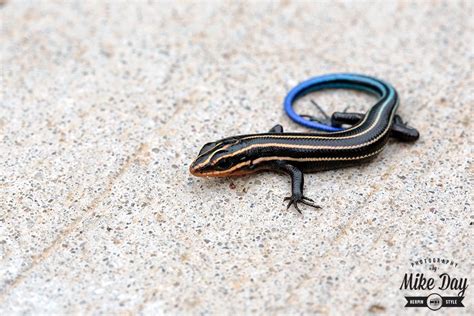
(376, 309)
(232, 186)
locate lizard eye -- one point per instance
(224, 164)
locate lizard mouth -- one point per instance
(195, 171)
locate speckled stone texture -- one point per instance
(103, 107)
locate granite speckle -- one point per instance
(104, 105)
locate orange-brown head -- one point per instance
(223, 158)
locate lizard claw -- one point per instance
(294, 200)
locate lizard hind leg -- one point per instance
(350, 118)
(401, 131)
(326, 119)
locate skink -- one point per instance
(299, 153)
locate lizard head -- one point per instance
(223, 158)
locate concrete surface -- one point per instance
(103, 107)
